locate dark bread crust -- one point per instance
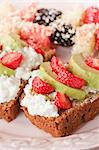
(68, 121)
(49, 54)
(11, 109)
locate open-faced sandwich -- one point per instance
(59, 98)
(23, 47)
(55, 97)
(28, 37)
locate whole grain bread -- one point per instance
(10, 110)
(69, 120)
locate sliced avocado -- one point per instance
(47, 74)
(78, 66)
(18, 43)
(5, 71)
(11, 41)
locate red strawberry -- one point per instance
(41, 87)
(36, 34)
(96, 19)
(97, 39)
(62, 101)
(56, 65)
(12, 59)
(91, 15)
(64, 76)
(38, 50)
(35, 46)
(93, 62)
(69, 79)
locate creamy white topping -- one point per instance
(9, 87)
(52, 95)
(22, 73)
(36, 104)
(31, 61)
(31, 58)
(35, 73)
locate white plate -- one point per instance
(20, 134)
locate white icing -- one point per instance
(9, 87)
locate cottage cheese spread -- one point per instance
(36, 104)
(22, 73)
(9, 87)
(31, 60)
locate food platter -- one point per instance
(22, 135)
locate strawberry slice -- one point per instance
(97, 39)
(92, 62)
(91, 15)
(35, 46)
(69, 79)
(96, 18)
(41, 87)
(56, 65)
(38, 50)
(12, 60)
(62, 101)
(64, 76)
(37, 35)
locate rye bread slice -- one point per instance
(69, 120)
(10, 110)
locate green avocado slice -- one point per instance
(5, 71)
(78, 66)
(47, 74)
(11, 41)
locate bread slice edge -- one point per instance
(10, 110)
(69, 121)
